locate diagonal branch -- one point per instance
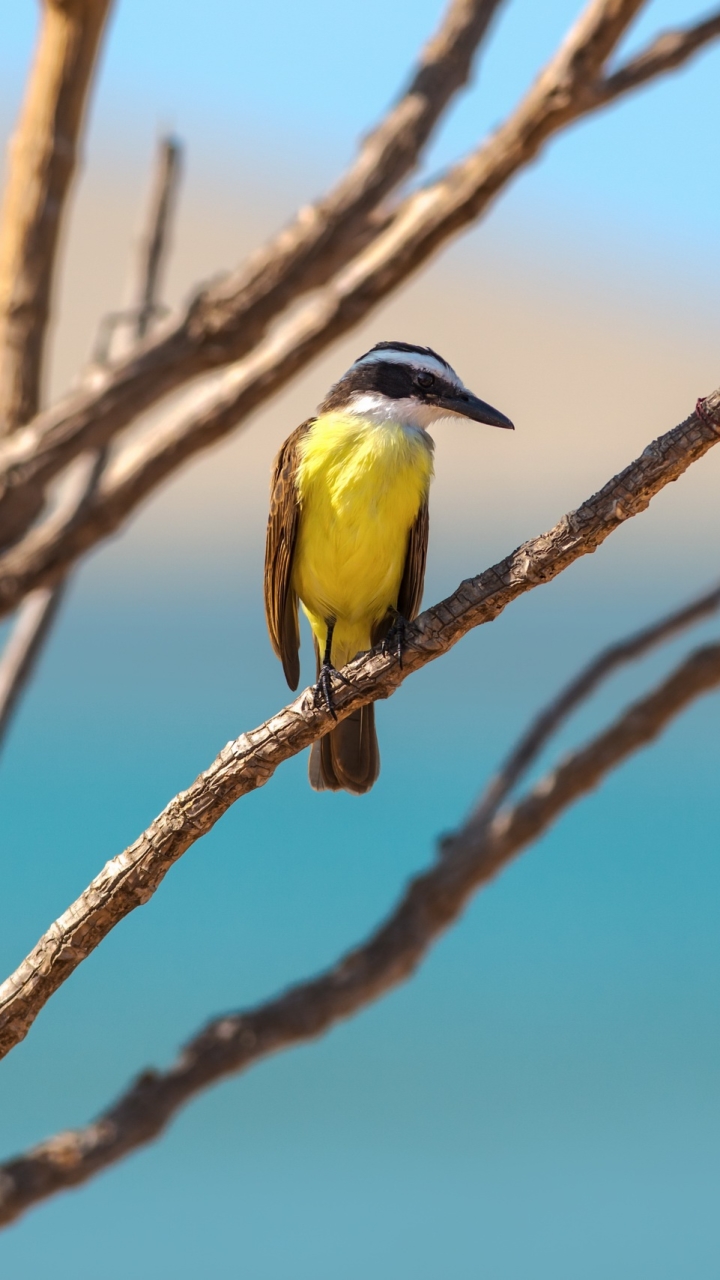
(569, 88)
(43, 157)
(237, 311)
(581, 687)
(431, 903)
(214, 329)
(23, 648)
(40, 608)
(248, 762)
(669, 51)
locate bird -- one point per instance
(347, 533)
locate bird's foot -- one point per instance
(396, 637)
(323, 690)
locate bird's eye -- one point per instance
(425, 379)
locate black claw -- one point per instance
(396, 638)
(323, 691)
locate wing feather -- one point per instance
(413, 579)
(281, 608)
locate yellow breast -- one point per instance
(360, 485)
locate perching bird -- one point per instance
(348, 529)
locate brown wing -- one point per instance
(411, 586)
(281, 610)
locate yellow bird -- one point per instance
(348, 530)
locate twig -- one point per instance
(669, 50)
(130, 879)
(43, 160)
(430, 904)
(23, 647)
(581, 687)
(154, 246)
(39, 609)
(216, 327)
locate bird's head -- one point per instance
(401, 382)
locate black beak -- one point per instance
(470, 406)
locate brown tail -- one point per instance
(347, 758)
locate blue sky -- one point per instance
(297, 84)
(542, 1100)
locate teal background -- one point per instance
(542, 1099)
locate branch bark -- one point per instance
(304, 255)
(215, 329)
(43, 158)
(431, 903)
(40, 608)
(130, 879)
(668, 51)
(539, 732)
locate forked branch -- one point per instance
(305, 254)
(216, 328)
(130, 879)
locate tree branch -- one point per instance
(248, 762)
(669, 51)
(40, 609)
(42, 163)
(237, 311)
(581, 687)
(23, 648)
(570, 87)
(431, 903)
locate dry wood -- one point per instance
(533, 742)
(430, 904)
(130, 879)
(23, 647)
(40, 608)
(43, 157)
(214, 329)
(305, 253)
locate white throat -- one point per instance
(408, 411)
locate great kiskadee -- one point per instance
(348, 529)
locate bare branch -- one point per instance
(130, 879)
(669, 51)
(582, 686)
(568, 89)
(153, 249)
(42, 163)
(430, 904)
(214, 330)
(304, 255)
(23, 648)
(39, 610)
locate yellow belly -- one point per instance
(360, 486)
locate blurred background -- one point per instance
(543, 1098)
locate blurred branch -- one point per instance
(23, 648)
(432, 902)
(219, 326)
(669, 51)
(43, 157)
(39, 609)
(581, 687)
(130, 879)
(225, 320)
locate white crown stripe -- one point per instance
(412, 358)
